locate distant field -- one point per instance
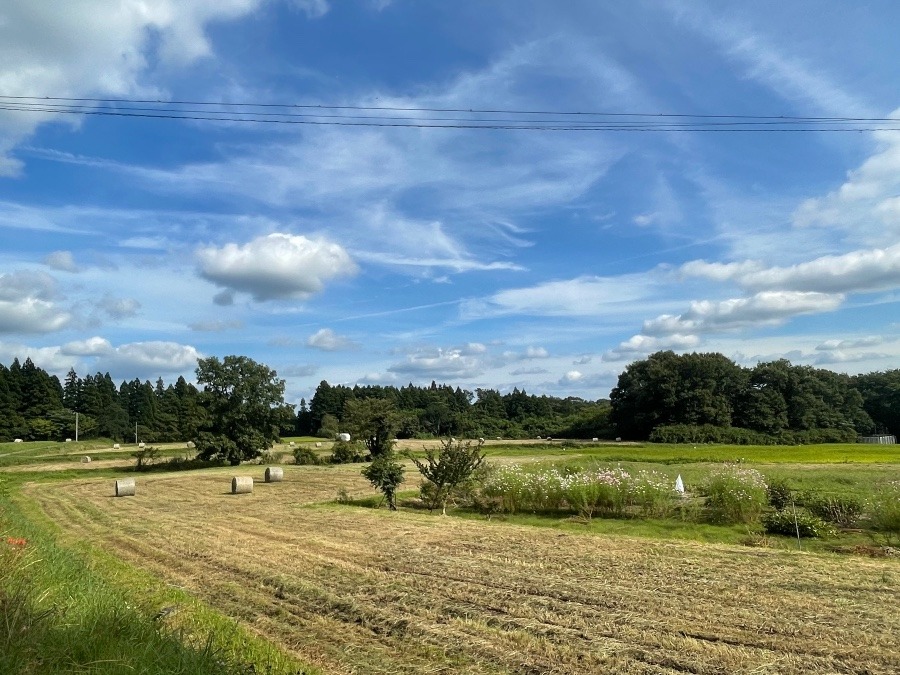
(358, 590)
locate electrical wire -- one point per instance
(438, 118)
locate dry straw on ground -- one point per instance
(359, 590)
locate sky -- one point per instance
(497, 258)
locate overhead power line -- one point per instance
(437, 118)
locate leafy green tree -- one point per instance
(385, 474)
(244, 402)
(375, 422)
(446, 468)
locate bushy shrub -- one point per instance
(789, 522)
(779, 494)
(270, 456)
(736, 494)
(844, 511)
(347, 452)
(305, 455)
(708, 433)
(885, 509)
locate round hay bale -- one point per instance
(116, 446)
(241, 485)
(125, 487)
(85, 460)
(274, 474)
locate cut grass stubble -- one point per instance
(359, 590)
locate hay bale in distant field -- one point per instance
(595, 439)
(292, 444)
(274, 474)
(85, 460)
(18, 440)
(318, 445)
(189, 444)
(125, 487)
(344, 437)
(68, 440)
(141, 444)
(241, 485)
(116, 446)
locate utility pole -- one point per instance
(76, 426)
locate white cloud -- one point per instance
(529, 371)
(767, 307)
(584, 296)
(119, 308)
(856, 271)
(437, 364)
(865, 208)
(277, 266)
(853, 343)
(571, 376)
(149, 357)
(93, 47)
(215, 326)
(63, 261)
(26, 304)
(30, 315)
(641, 345)
(329, 341)
(95, 346)
(536, 353)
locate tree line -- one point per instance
(684, 397)
(666, 397)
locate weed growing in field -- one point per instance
(885, 507)
(844, 511)
(736, 494)
(791, 522)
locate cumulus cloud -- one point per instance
(767, 307)
(640, 345)
(275, 267)
(26, 304)
(438, 363)
(856, 271)
(63, 261)
(571, 376)
(329, 341)
(119, 308)
(95, 346)
(149, 357)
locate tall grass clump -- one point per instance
(736, 494)
(599, 491)
(653, 493)
(885, 510)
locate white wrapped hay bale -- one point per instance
(274, 474)
(85, 460)
(241, 485)
(344, 437)
(125, 487)
(116, 446)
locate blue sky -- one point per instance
(544, 260)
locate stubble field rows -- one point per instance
(358, 590)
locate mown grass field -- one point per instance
(362, 590)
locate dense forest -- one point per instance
(664, 397)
